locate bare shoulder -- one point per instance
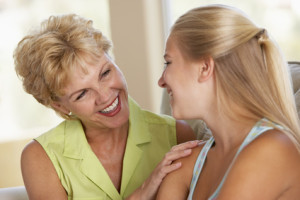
(189, 162)
(266, 169)
(33, 148)
(275, 146)
(39, 175)
(176, 184)
(33, 154)
(184, 132)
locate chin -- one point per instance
(182, 116)
(120, 124)
(176, 115)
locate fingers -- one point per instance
(186, 145)
(171, 156)
(166, 166)
(166, 170)
(179, 151)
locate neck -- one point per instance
(108, 136)
(229, 133)
(109, 146)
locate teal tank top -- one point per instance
(259, 128)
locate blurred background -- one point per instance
(138, 29)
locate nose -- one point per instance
(102, 95)
(161, 80)
(98, 98)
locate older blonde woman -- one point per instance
(108, 147)
(223, 69)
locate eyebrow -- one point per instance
(107, 61)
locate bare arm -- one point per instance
(40, 178)
(176, 185)
(268, 168)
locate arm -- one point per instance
(266, 169)
(176, 185)
(149, 188)
(40, 178)
(184, 132)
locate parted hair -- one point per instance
(44, 58)
(250, 69)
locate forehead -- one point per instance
(169, 43)
(87, 64)
(172, 49)
(85, 70)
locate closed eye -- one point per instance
(166, 64)
(81, 95)
(106, 73)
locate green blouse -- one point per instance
(81, 173)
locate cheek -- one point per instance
(170, 78)
(186, 95)
(120, 79)
(84, 108)
(123, 87)
(124, 83)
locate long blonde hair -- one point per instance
(249, 67)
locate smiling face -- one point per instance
(187, 83)
(98, 96)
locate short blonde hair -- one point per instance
(249, 67)
(44, 58)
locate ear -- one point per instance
(206, 69)
(59, 107)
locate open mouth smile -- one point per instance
(112, 109)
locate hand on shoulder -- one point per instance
(176, 184)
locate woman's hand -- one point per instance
(150, 187)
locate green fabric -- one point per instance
(80, 171)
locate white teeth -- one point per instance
(111, 107)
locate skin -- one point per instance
(186, 82)
(86, 95)
(268, 168)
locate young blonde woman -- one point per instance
(227, 71)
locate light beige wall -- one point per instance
(138, 36)
(10, 170)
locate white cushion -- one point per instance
(13, 193)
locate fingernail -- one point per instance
(178, 164)
(188, 151)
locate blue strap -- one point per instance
(199, 165)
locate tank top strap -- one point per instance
(198, 166)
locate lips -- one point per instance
(112, 109)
